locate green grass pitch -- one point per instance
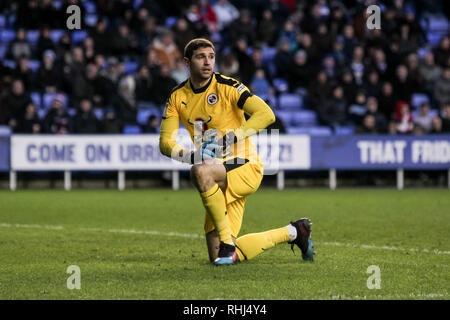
(148, 244)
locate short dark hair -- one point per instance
(196, 43)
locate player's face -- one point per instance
(202, 63)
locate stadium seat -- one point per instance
(268, 53)
(33, 37)
(79, 36)
(144, 114)
(99, 113)
(47, 99)
(130, 67)
(10, 64)
(3, 49)
(11, 20)
(344, 131)
(71, 111)
(91, 20)
(313, 131)
(285, 117)
(433, 113)
(418, 98)
(36, 97)
(270, 99)
(290, 101)
(131, 130)
(170, 21)
(57, 4)
(304, 118)
(55, 35)
(281, 84)
(2, 21)
(90, 7)
(34, 65)
(137, 3)
(5, 130)
(41, 113)
(6, 36)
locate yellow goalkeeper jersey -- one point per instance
(219, 105)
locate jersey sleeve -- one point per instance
(170, 124)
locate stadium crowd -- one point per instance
(318, 57)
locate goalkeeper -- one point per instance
(225, 166)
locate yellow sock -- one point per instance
(250, 245)
(214, 203)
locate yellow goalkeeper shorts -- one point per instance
(242, 181)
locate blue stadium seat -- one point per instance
(434, 38)
(57, 4)
(131, 130)
(33, 37)
(36, 97)
(90, 7)
(170, 21)
(137, 3)
(79, 35)
(130, 67)
(71, 111)
(285, 117)
(144, 114)
(11, 20)
(304, 118)
(34, 65)
(91, 20)
(344, 131)
(268, 53)
(55, 35)
(47, 99)
(6, 36)
(2, 21)
(313, 131)
(433, 113)
(418, 98)
(9, 63)
(42, 113)
(272, 100)
(281, 84)
(5, 130)
(290, 101)
(3, 49)
(99, 113)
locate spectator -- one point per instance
(245, 61)
(85, 121)
(15, 102)
(311, 49)
(229, 65)
(322, 39)
(372, 109)
(110, 124)
(387, 100)
(101, 37)
(279, 10)
(166, 50)
(125, 103)
(430, 71)
(442, 52)
(445, 116)
(436, 126)
(283, 58)
(180, 72)
(163, 85)
(44, 42)
(357, 65)
(349, 86)
(152, 125)
(402, 84)
(24, 72)
(299, 73)
(372, 84)
(368, 125)
(358, 108)
(243, 28)
(424, 119)
(57, 120)
(124, 43)
(226, 13)
(442, 88)
(182, 34)
(149, 33)
(19, 47)
(319, 90)
(48, 77)
(259, 84)
(338, 52)
(30, 122)
(403, 118)
(257, 63)
(267, 29)
(207, 15)
(89, 50)
(332, 111)
(330, 69)
(417, 80)
(144, 82)
(289, 33)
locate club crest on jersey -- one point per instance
(212, 99)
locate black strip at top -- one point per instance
(220, 79)
(232, 164)
(244, 96)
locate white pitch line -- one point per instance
(199, 236)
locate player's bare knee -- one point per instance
(201, 177)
